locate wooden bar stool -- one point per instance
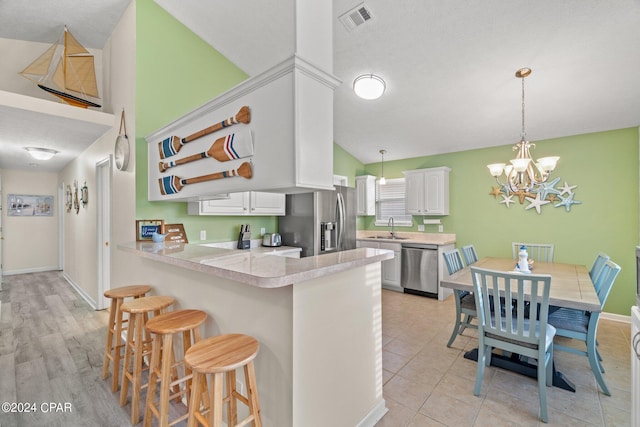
(138, 346)
(112, 349)
(220, 356)
(163, 366)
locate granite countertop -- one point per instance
(258, 268)
(407, 237)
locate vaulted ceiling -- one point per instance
(449, 65)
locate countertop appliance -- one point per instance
(320, 222)
(419, 272)
(271, 239)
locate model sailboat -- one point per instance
(70, 69)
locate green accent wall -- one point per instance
(603, 165)
(176, 72)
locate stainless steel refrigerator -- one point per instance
(320, 222)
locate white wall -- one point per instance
(80, 235)
(30, 243)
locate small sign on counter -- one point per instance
(175, 233)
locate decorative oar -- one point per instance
(233, 146)
(172, 184)
(170, 146)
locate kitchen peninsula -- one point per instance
(318, 321)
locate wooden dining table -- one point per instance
(571, 287)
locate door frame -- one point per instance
(103, 230)
(61, 209)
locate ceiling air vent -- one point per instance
(355, 17)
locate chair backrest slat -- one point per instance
(453, 260)
(470, 255)
(542, 252)
(605, 279)
(596, 268)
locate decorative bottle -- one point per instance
(523, 263)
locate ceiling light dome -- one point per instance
(369, 86)
(41, 153)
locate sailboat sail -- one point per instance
(74, 71)
(40, 67)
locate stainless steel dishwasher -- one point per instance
(419, 273)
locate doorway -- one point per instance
(103, 222)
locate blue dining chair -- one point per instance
(583, 325)
(465, 302)
(542, 252)
(514, 329)
(470, 255)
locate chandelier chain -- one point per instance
(523, 134)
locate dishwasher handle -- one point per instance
(419, 246)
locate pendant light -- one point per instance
(520, 176)
(382, 180)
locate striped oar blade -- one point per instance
(173, 184)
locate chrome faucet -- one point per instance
(393, 233)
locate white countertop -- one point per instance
(407, 237)
(257, 267)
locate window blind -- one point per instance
(390, 202)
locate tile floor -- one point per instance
(428, 384)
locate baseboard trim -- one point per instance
(616, 317)
(80, 291)
(375, 415)
(29, 270)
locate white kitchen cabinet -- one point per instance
(427, 191)
(243, 203)
(391, 267)
(366, 195)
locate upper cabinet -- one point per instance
(366, 195)
(244, 203)
(427, 191)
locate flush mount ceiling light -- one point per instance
(41, 153)
(369, 86)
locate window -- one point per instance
(390, 203)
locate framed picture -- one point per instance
(29, 205)
(146, 227)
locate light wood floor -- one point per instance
(51, 351)
(51, 345)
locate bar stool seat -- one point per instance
(163, 366)
(138, 346)
(112, 349)
(220, 356)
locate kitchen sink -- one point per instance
(389, 237)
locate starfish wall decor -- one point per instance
(542, 195)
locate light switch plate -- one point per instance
(420, 227)
(203, 234)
